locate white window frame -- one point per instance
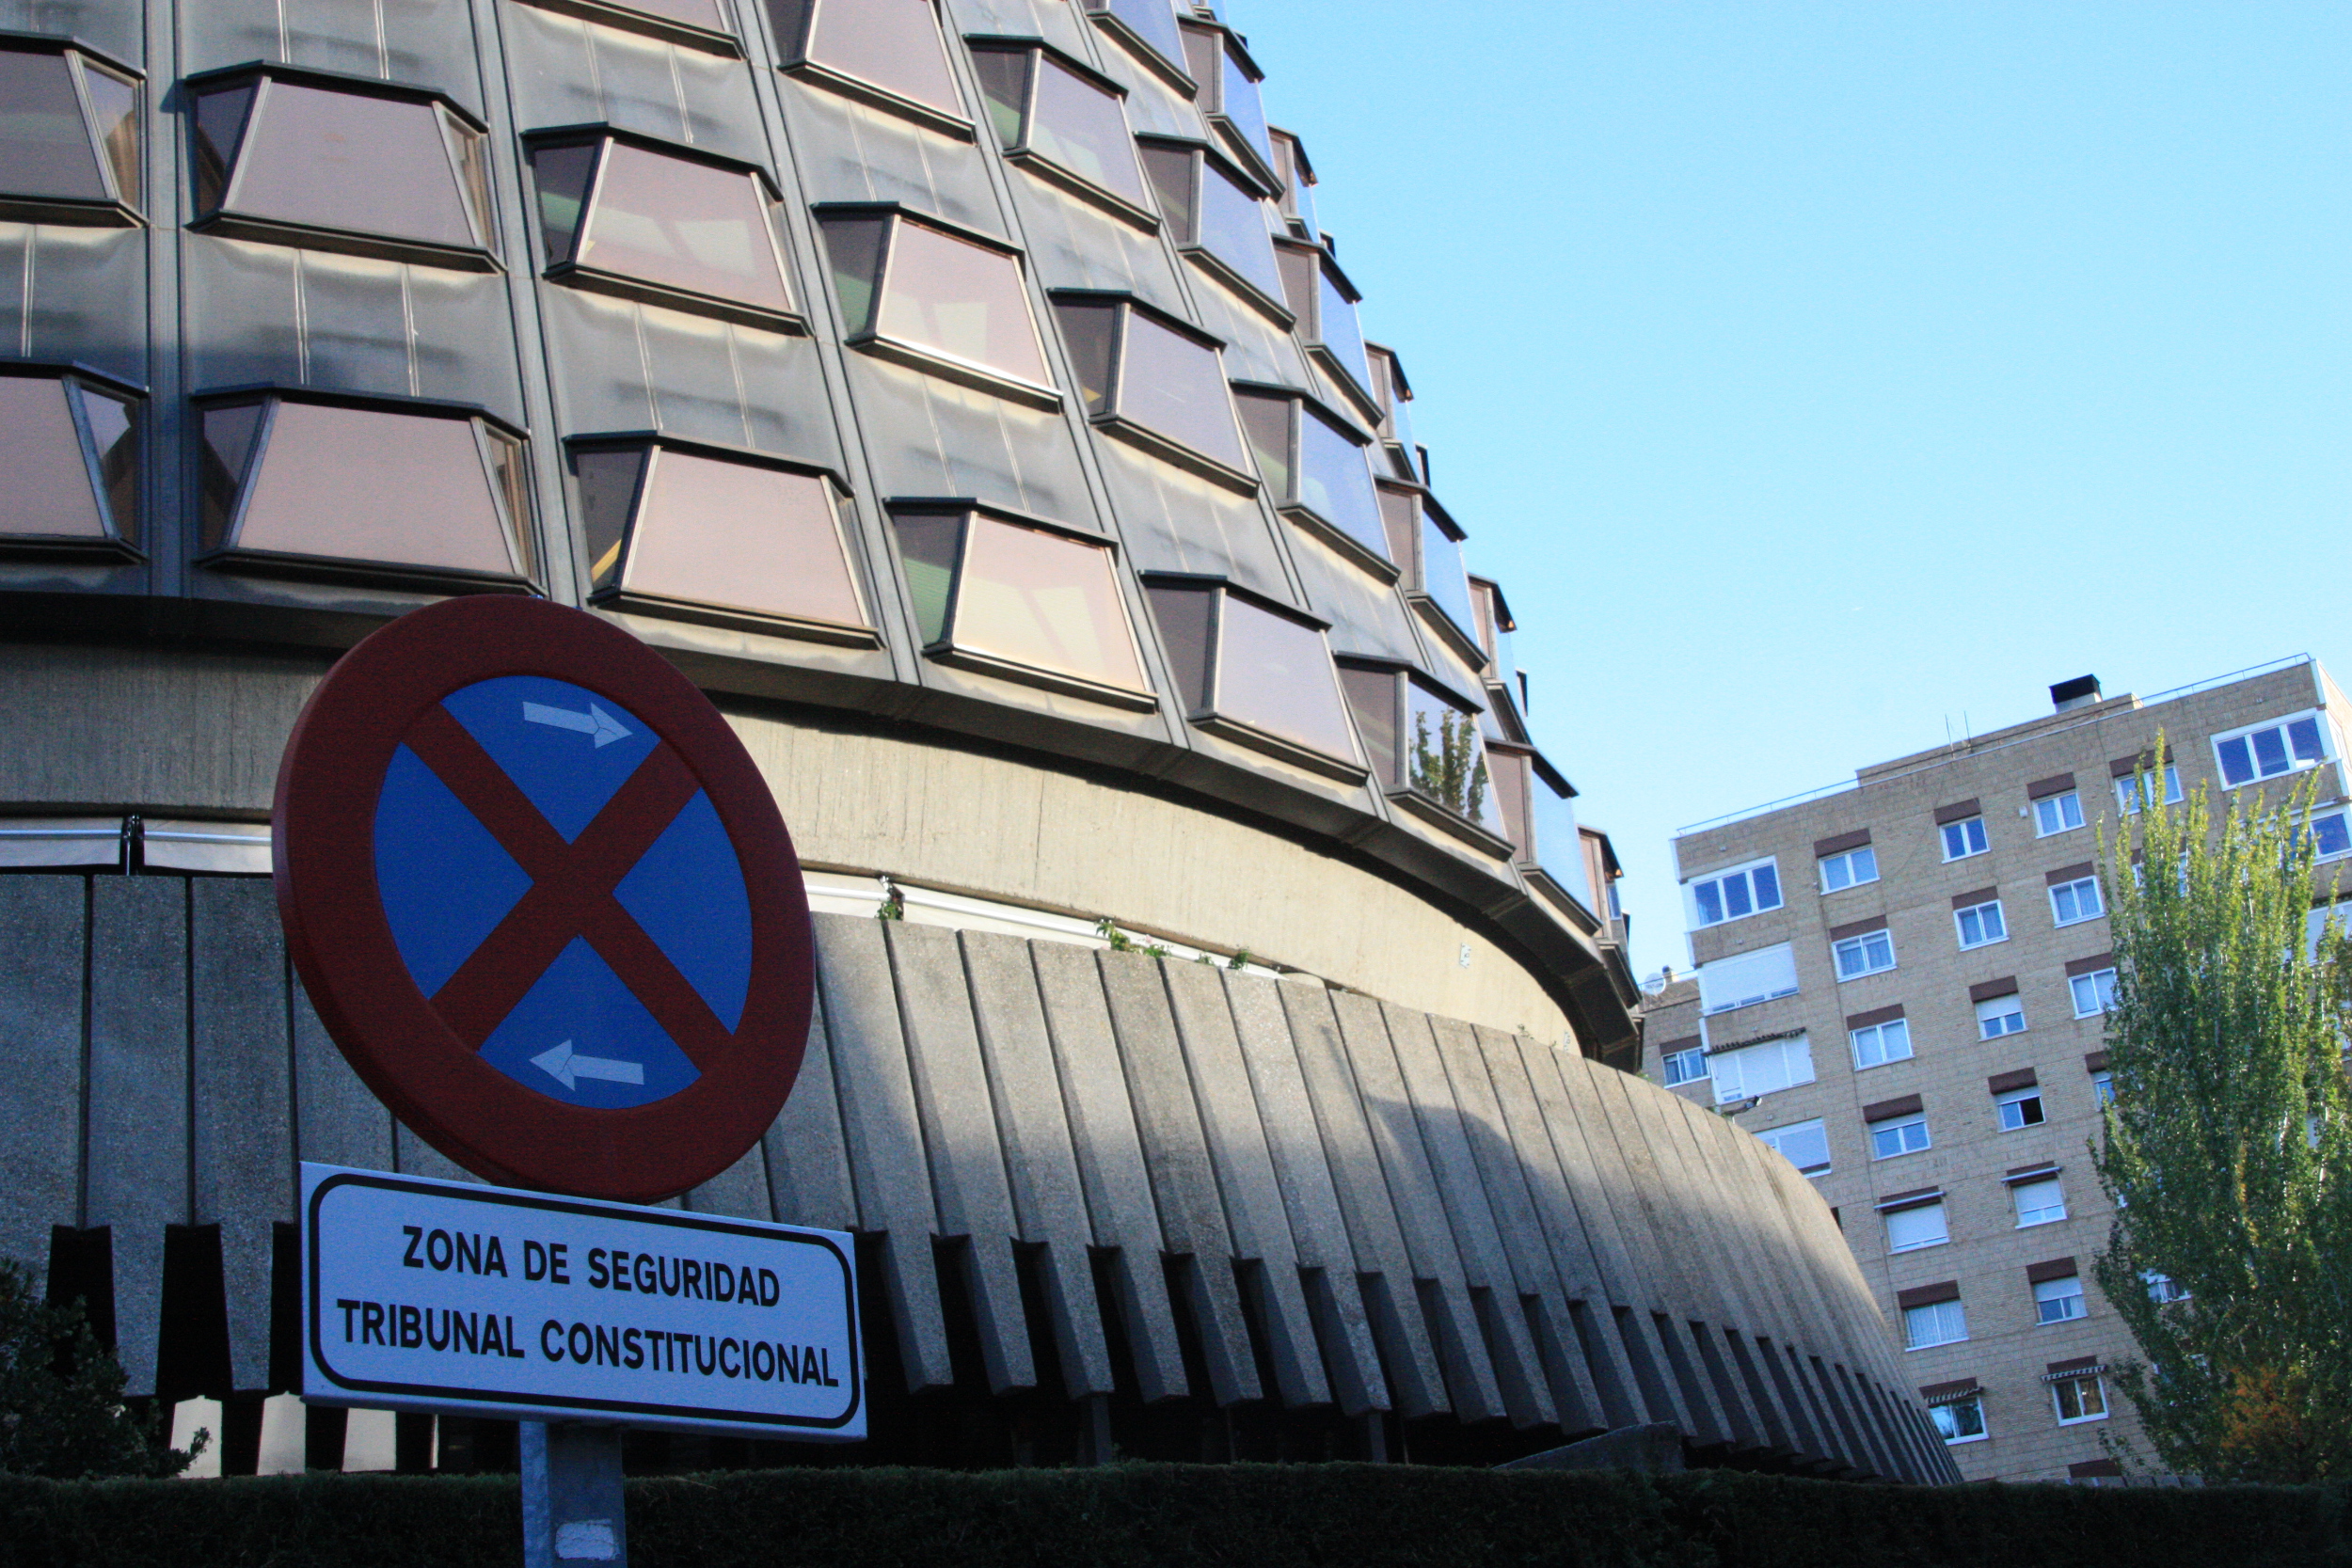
(2043, 1214)
(2098, 907)
(2099, 1387)
(2058, 1293)
(2000, 921)
(2065, 803)
(2127, 794)
(1860, 947)
(1745, 874)
(1850, 859)
(1943, 1220)
(2008, 1098)
(1974, 1402)
(1904, 1126)
(1983, 838)
(1774, 1064)
(2344, 822)
(2103, 997)
(1691, 1065)
(1878, 1041)
(1992, 1008)
(2160, 1287)
(1774, 1137)
(2103, 1088)
(2295, 764)
(1944, 1315)
(1779, 960)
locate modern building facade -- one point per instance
(963, 395)
(1901, 986)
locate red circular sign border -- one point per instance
(328, 784)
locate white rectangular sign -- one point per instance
(440, 1295)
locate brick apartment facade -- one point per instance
(1901, 987)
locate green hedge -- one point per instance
(1180, 1516)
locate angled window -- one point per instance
(1228, 81)
(1876, 1044)
(1062, 119)
(1427, 749)
(70, 446)
(1979, 921)
(2267, 750)
(69, 135)
(1998, 1016)
(1020, 598)
(1866, 953)
(1735, 894)
(1323, 300)
(1148, 27)
(2074, 900)
(363, 489)
(1155, 381)
(1312, 463)
(1297, 179)
(1558, 851)
(1850, 870)
(623, 214)
(705, 24)
(300, 157)
(1922, 1225)
(1217, 218)
(1395, 396)
(1426, 545)
(724, 537)
(1802, 1144)
(887, 53)
(1255, 672)
(940, 300)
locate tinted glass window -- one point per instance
(1445, 759)
(220, 119)
(928, 546)
(606, 482)
(1173, 385)
(48, 481)
(1276, 673)
(1510, 773)
(706, 15)
(1400, 519)
(229, 436)
(729, 534)
(45, 149)
(336, 160)
(1079, 126)
(1334, 482)
(561, 175)
(1184, 615)
(891, 43)
(114, 429)
(853, 252)
(1233, 229)
(1559, 847)
(115, 103)
(692, 227)
(1337, 331)
(1268, 423)
(1372, 698)
(369, 485)
(1043, 600)
(1170, 168)
(1300, 280)
(1152, 21)
(1239, 103)
(1441, 575)
(1004, 75)
(1090, 330)
(960, 299)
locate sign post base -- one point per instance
(572, 1505)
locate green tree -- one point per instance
(61, 1408)
(2228, 1151)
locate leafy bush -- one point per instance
(61, 1408)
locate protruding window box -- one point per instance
(392, 492)
(1427, 749)
(718, 535)
(70, 142)
(1063, 122)
(1023, 598)
(627, 215)
(1156, 382)
(70, 448)
(1255, 672)
(1226, 87)
(291, 156)
(1323, 299)
(890, 53)
(1313, 461)
(1147, 28)
(1427, 545)
(704, 24)
(1217, 218)
(936, 297)
(1400, 453)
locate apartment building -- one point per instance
(1900, 985)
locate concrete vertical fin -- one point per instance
(805, 1152)
(41, 938)
(338, 1120)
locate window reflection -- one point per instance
(1254, 671)
(1316, 468)
(1297, 179)
(887, 52)
(1154, 380)
(69, 135)
(947, 303)
(717, 536)
(1217, 217)
(1149, 23)
(363, 167)
(70, 452)
(373, 491)
(1425, 742)
(1338, 338)
(1059, 118)
(1440, 574)
(1227, 91)
(1018, 600)
(681, 229)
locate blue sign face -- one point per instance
(499, 862)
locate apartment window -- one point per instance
(2128, 790)
(625, 216)
(1898, 1136)
(717, 536)
(2000, 1015)
(1802, 1144)
(298, 157)
(1155, 381)
(1736, 894)
(888, 52)
(1016, 598)
(949, 303)
(1254, 671)
(2161, 1289)
(72, 446)
(2103, 1088)
(1064, 120)
(1959, 1421)
(1150, 23)
(2038, 1201)
(2058, 814)
(304, 486)
(1920, 1225)
(1752, 1071)
(2019, 1109)
(2058, 1301)
(1216, 217)
(1742, 979)
(2079, 1398)
(2073, 902)
(2095, 992)
(2266, 751)
(1684, 1066)
(1425, 742)
(1941, 1322)
(1868, 953)
(2331, 834)
(1850, 870)
(1981, 924)
(1964, 838)
(70, 139)
(1314, 467)
(1876, 1044)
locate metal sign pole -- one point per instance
(573, 1510)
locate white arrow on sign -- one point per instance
(568, 1068)
(596, 722)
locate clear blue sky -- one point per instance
(1812, 373)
